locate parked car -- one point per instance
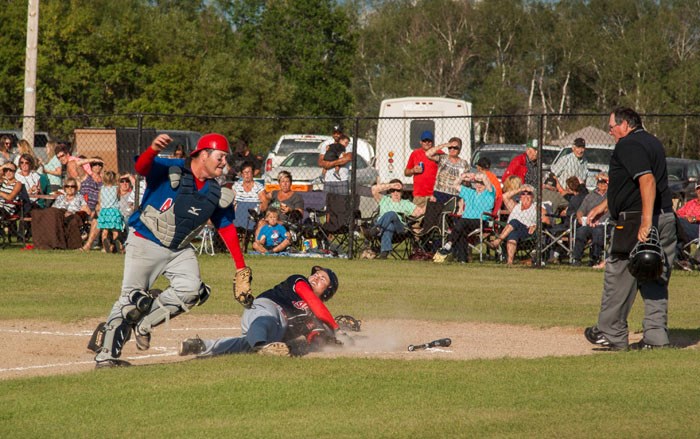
(40, 140)
(683, 174)
(501, 154)
(598, 157)
(303, 165)
(290, 143)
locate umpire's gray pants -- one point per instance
(620, 290)
(144, 262)
(263, 323)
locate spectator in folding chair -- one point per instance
(522, 221)
(249, 194)
(689, 224)
(289, 203)
(473, 203)
(450, 168)
(595, 229)
(484, 165)
(10, 189)
(391, 207)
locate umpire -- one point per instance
(638, 198)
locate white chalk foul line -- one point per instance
(76, 363)
(44, 366)
(57, 333)
(89, 333)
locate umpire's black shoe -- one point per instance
(641, 345)
(597, 338)
(107, 364)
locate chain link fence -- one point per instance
(380, 146)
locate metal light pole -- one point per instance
(29, 121)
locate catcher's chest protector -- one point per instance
(178, 225)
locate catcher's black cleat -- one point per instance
(641, 345)
(191, 346)
(107, 364)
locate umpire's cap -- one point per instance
(333, 287)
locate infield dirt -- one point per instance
(34, 348)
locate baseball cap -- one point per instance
(580, 142)
(211, 141)
(427, 135)
(337, 129)
(532, 143)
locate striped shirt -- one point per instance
(570, 166)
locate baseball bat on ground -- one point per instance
(443, 342)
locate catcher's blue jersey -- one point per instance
(160, 195)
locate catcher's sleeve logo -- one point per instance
(166, 205)
(300, 304)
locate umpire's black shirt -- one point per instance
(636, 154)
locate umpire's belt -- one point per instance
(632, 213)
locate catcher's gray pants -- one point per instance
(620, 290)
(144, 262)
(263, 323)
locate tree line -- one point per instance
(277, 58)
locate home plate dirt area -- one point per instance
(33, 348)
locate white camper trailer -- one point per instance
(397, 138)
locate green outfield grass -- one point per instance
(632, 394)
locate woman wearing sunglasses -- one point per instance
(450, 168)
(58, 227)
(522, 220)
(9, 189)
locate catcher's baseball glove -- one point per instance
(348, 323)
(241, 287)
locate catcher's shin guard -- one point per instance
(242, 291)
(98, 338)
(117, 332)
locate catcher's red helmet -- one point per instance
(212, 141)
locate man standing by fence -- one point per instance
(638, 199)
(423, 170)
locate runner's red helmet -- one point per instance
(211, 141)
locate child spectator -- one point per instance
(272, 236)
(109, 219)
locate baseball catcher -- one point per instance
(180, 197)
(292, 313)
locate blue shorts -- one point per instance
(519, 232)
